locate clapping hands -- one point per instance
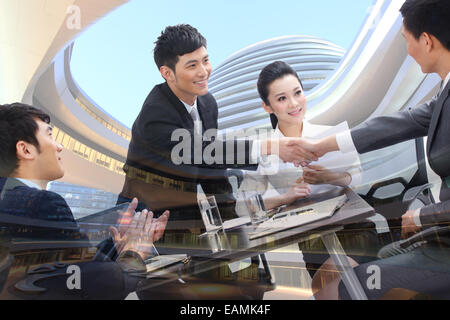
(137, 231)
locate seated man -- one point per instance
(29, 159)
(425, 270)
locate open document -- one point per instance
(300, 216)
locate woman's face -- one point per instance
(287, 100)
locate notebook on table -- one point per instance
(298, 217)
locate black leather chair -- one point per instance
(416, 194)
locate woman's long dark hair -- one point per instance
(269, 74)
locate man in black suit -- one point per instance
(426, 28)
(29, 159)
(157, 171)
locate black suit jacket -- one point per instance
(33, 217)
(174, 186)
(431, 119)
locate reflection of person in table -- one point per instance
(282, 93)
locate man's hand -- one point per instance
(137, 231)
(409, 227)
(328, 144)
(319, 175)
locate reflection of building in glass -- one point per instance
(83, 201)
(105, 123)
(233, 83)
(87, 153)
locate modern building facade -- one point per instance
(375, 76)
(233, 82)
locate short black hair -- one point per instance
(17, 123)
(431, 16)
(176, 41)
(269, 74)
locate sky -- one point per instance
(113, 62)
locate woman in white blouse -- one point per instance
(281, 183)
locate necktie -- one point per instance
(197, 122)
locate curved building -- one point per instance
(233, 83)
(374, 77)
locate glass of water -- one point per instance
(210, 214)
(256, 208)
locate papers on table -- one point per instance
(236, 223)
(298, 217)
(160, 262)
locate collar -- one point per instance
(11, 183)
(188, 107)
(29, 183)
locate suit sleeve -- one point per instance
(157, 135)
(87, 281)
(385, 131)
(435, 214)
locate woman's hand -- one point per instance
(137, 231)
(298, 190)
(320, 175)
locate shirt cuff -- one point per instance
(416, 217)
(356, 179)
(345, 142)
(255, 154)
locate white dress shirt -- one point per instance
(197, 123)
(29, 183)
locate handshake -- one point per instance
(299, 151)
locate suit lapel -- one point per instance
(436, 115)
(188, 123)
(207, 122)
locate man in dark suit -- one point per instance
(426, 28)
(29, 159)
(161, 174)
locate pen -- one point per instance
(340, 205)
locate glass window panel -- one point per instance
(71, 143)
(55, 132)
(65, 142)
